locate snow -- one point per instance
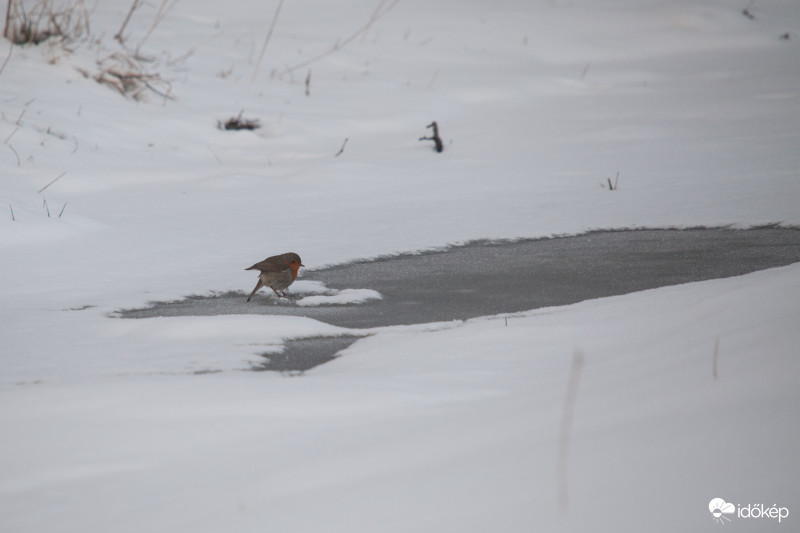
(342, 297)
(159, 425)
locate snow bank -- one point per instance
(157, 424)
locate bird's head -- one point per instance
(294, 262)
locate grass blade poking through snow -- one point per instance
(266, 42)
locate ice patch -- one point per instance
(343, 297)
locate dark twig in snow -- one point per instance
(438, 145)
(341, 150)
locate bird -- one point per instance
(277, 273)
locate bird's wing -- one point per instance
(270, 264)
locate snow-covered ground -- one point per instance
(157, 424)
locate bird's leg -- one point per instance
(278, 293)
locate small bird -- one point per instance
(277, 272)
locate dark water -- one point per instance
(486, 278)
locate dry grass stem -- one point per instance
(380, 11)
(266, 39)
(52, 182)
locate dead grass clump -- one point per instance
(44, 20)
(125, 75)
(239, 123)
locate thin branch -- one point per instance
(341, 150)
(266, 40)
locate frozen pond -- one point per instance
(486, 278)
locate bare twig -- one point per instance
(438, 145)
(13, 219)
(62, 210)
(266, 39)
(566, 427)
(308, 83)
(52, 182)
(44, 204)
(341, 150)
